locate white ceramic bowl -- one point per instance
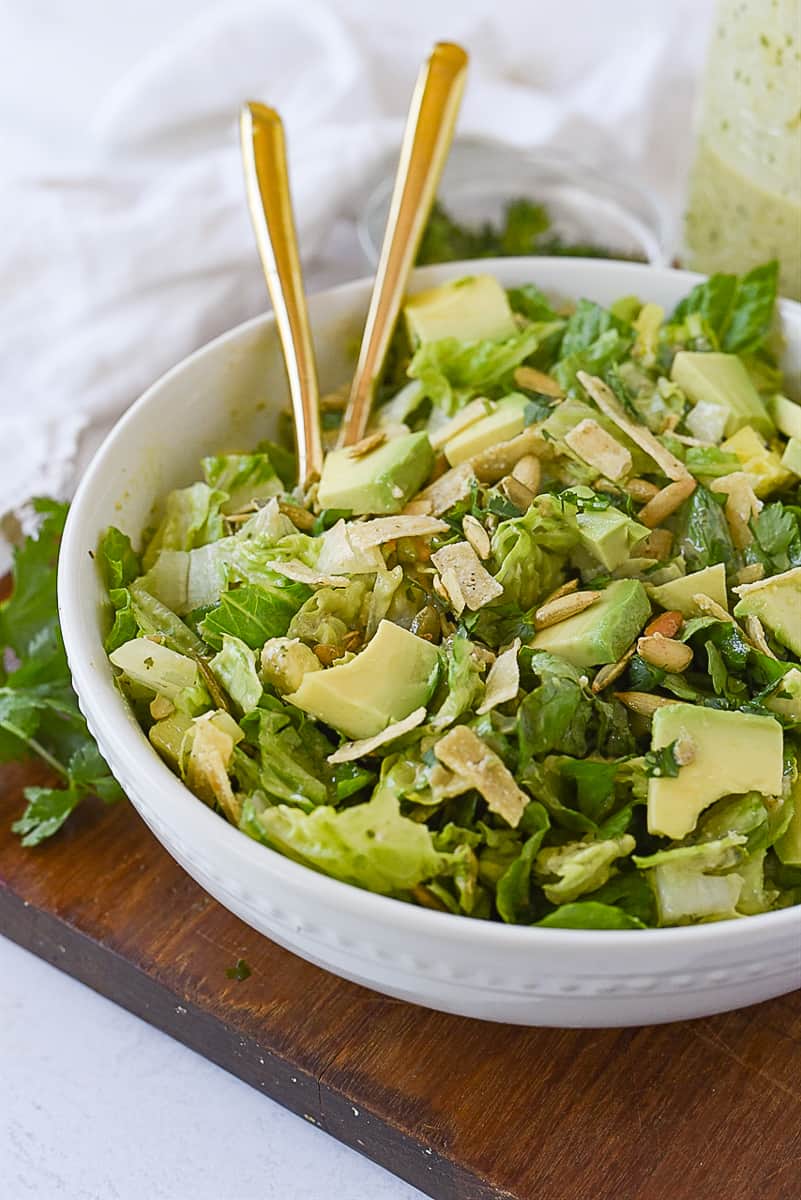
(226, 396)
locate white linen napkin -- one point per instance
(114, 268)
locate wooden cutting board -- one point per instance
(462, 1109)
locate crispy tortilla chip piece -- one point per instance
(303, 574)
(609, 404)
(460, 561)
(464, 753)
(599, 449)
(387, 529)
(503, 680)
(353, 750)
(450, 489)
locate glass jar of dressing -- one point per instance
(744, 204)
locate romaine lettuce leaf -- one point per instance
(463, 687)
(529, 553)
(451, 371)
(234, 666)
(739, 311)
(369, 845)
(192, 518)
(590, 914)
(557, 713)
(245, 477)
(253, 613)
(702, 535)
(566, 872)
(513, 893)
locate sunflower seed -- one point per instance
(528, 472)
(644, 704)
(756, 635)
(612, 671)
(665, 502)
(537, 381)
(371, 442)
(565, 606)
(476, 535)
(564, 590)
(665, 653)
(641, 490)
(516, 492)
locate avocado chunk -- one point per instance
(777, 603)
(788, 846)
(505, 420)
(608, 536)
(602, 632)
(379, 482)
(791, 459)
(786, 415)
(471, 309)
(763, 466)
(729, 753)
(395, 674)
(721, 379)
(677, 594)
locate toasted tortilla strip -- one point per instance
(387, 529)
(452, 487)
(353, 750)
(503, 680)
(476, 584)
(608, 403)
(598, 448)
(464, 753)
(453, 591)
(303, 574)
(340, 554)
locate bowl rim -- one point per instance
(95, 688)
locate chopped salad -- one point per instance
(529, 652)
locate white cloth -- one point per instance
(138, 248)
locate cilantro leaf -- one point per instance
(39, 712)
(662, 764)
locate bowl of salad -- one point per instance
(502, 716)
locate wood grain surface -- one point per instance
(463, 1109)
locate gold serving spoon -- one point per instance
(270, 205)
(426, 142)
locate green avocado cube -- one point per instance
(722, 380)
(602, 632)
(677, 594)
(471, 309)
(381, 481)
(777, 603)
(729, 753)
(394, 675)
(505, 421)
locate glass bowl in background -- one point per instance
(613, 214)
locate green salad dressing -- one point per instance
(744, 202)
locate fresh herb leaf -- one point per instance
(662, 764)
(39, 712)
(240, 971)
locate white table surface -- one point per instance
(97, 1105)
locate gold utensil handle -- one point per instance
(270, 205)
(426, 142)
